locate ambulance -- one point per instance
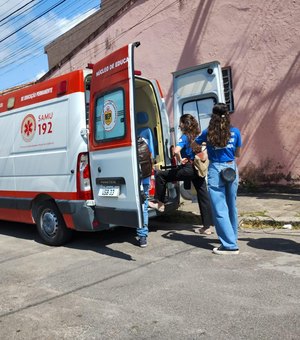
(68, 154)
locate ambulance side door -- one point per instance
(112, 141)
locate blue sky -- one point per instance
(22, 57)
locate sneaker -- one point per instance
(223, 251)
(143, 241)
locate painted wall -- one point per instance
(260, 40)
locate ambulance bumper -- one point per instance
(80, 215)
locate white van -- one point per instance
(68, 155)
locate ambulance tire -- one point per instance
(51, 225)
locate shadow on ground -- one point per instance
(93, 241)
(274, 244)
(179, 217)
(195, 240)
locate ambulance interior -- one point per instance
(148, 119)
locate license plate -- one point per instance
(109, 191)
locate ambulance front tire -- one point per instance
(51, 225)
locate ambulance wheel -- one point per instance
(51, 225)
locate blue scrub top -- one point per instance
(225, 154)
(186, 150)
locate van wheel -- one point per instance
(51, 225)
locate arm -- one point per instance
(177, 152)
(237, 152)
(238, 144)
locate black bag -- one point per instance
(144, 158)
(228, 174)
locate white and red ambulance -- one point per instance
(68, 154)
(68, 157)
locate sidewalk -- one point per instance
(278, 207)
(282, 208)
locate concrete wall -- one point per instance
(258, 39)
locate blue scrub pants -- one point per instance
(223, 201)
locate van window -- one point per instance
(201, 109)
(109, 116)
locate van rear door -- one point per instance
(112, 139)
(196, 90)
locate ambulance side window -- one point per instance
(109, 116)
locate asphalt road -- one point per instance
(102, 286)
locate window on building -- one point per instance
(228, 89)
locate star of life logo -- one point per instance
(28, 128)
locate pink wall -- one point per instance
(258, 39)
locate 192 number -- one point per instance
(45, 128)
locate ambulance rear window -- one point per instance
(109, 116)
(201, 109)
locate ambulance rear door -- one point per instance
(112, 141)
(196, 90)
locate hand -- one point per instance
(184, 161)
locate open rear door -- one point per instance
(112, 140)
(196, 90)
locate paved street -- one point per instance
(102, 286)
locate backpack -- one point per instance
(144, 158)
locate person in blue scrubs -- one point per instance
(185, 171)
(223, 143)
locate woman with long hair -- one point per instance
(186, 171)
(223, 143)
